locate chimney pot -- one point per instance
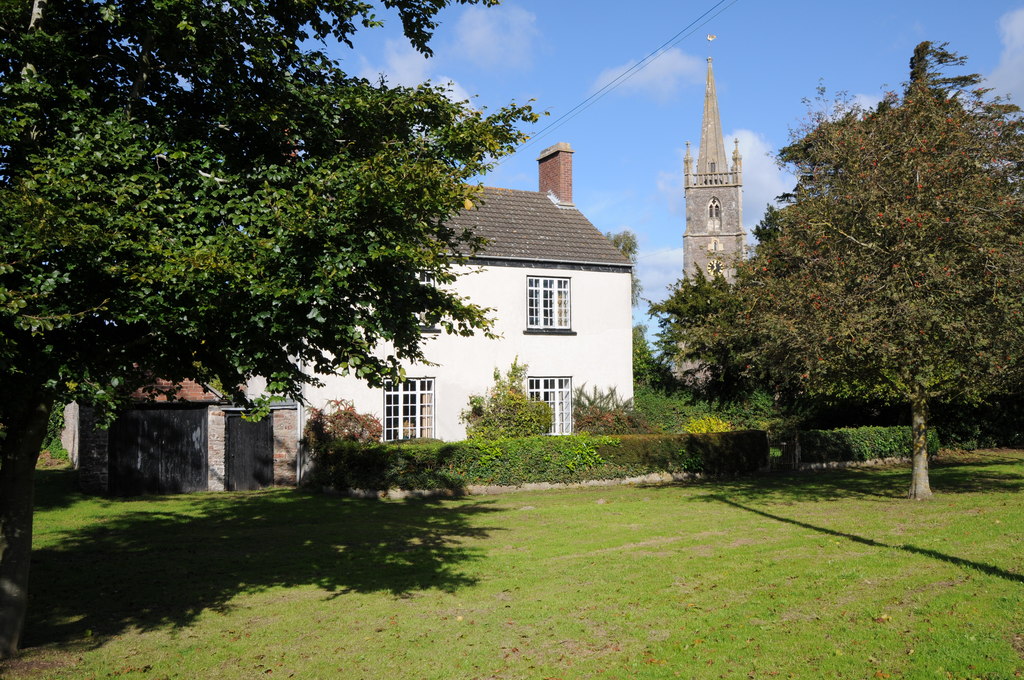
(554, 169)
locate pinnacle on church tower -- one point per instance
(714, 236)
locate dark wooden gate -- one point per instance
(785, 452)
(248, 453)
(160, 449)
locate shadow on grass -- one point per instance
(161, 561)
(975, 473)
(56, 488)
(926, 552)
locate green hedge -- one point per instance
(575, 458)
(859, 444)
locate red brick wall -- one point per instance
(188, 390)
(555, 171)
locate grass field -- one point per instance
(826, 575)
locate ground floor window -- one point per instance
(409, 409)
(556, 393)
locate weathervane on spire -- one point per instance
(711, 36)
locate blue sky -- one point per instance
(768, 58)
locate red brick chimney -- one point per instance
(555, 172)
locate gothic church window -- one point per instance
(714, 215)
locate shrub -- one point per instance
(339, 421)
(997, 422)
(605, 412)
(51, 441)
(570, 458)
(672, 411)
(707, 424)
(859, 444)
(506, 411)
(711, 453)
(346, 464)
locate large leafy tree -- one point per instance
(195, 189)
(897, 269)
(713, 362)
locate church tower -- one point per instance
(714, 236)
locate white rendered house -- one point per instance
(560, 292)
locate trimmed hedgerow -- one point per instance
(510, 462)
(859, 444)
(714, 453)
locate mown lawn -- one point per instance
(827, 575)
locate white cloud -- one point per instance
(497, 36)
(763, 180)
(661, 78)
(402, 65)
(867, 101)
(405, 66)
(658, 270)
(1008, 76)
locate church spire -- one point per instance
(712, 158)
(712, 163)
(714, 238)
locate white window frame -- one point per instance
(556, 392)
(548, 303)
(427, 279)
(409, 409)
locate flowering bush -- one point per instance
(706, 424)
(339, 420)
(604, 412)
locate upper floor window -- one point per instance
(715, 246)
(556, 393)
(547, 303)
(427, 279)
(409, 409)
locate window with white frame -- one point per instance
(547, 303)
(409, 409)
(427, 279)
(556, 393)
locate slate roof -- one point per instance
(527, 225)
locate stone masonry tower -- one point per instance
(714, 236)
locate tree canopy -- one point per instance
(197, 190)
(896, 269)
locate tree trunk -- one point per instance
(919, 486)
(19, 450)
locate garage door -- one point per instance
(161, 449)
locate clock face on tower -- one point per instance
(715, 267)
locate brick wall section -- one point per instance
(555, 172)
(216, 467)
(286, 445)
(187, 390)
(93, 459)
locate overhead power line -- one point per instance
(579, 108)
